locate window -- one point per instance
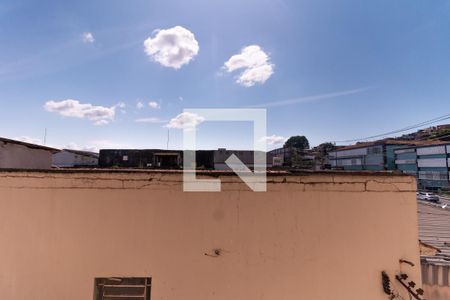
(125, 158)
(122, 288)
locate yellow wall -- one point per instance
(315, 237)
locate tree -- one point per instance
(299, 142)
(324, 148)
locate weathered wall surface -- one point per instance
(309, 237)
(436, 292)
(15, 156)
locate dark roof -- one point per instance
(84, 153)
(29, 145)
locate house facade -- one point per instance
(20, 155)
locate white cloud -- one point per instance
(100, 115)
(312, 98)
(88, 37)
(96, 145)
(140, 105)
(120, 105)
(274, 139)
(256, 64)
(154, 105)
(27, 139)
(173, 47)
(186, 120)
(75, 146)
(150, 120)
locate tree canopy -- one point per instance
(324, 148)
(298, 142)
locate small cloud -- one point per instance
(173, 47)
(274, 139)
(140, 105)
(256, 64)
(27, 139)
(150, 120)
(96, 145)
(186, 120)
(120, 105)
(88, 37)
(181, 98)
(75, 146)
(154, 105)
(100, 115)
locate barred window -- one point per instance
(122, 288)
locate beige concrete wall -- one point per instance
(318, 237)
(436, 292)
(15, 156)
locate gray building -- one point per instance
(20, 155)
(376, 156)
(429, 162)
(173, 159)
(68, 158)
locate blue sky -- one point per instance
(336, 70)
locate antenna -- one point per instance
(168, 137)
(45, 136)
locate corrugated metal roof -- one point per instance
(434, 226)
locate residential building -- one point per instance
(293, 158)
(429, 162)
(20, 155)
(375, 156)
(157, 158)
(68, 158)
(98, 234)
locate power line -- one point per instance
(425, 123)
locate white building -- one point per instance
(74, 158)
(20, 155)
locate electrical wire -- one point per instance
(421, 124)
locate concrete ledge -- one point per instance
(322, 181)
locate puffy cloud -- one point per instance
(88, 37)
(140, 105)
(150, 120)
(274, 139)
(186, 120)
(100, 115)
(173, 47)
(154, 105)
(256, 64)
